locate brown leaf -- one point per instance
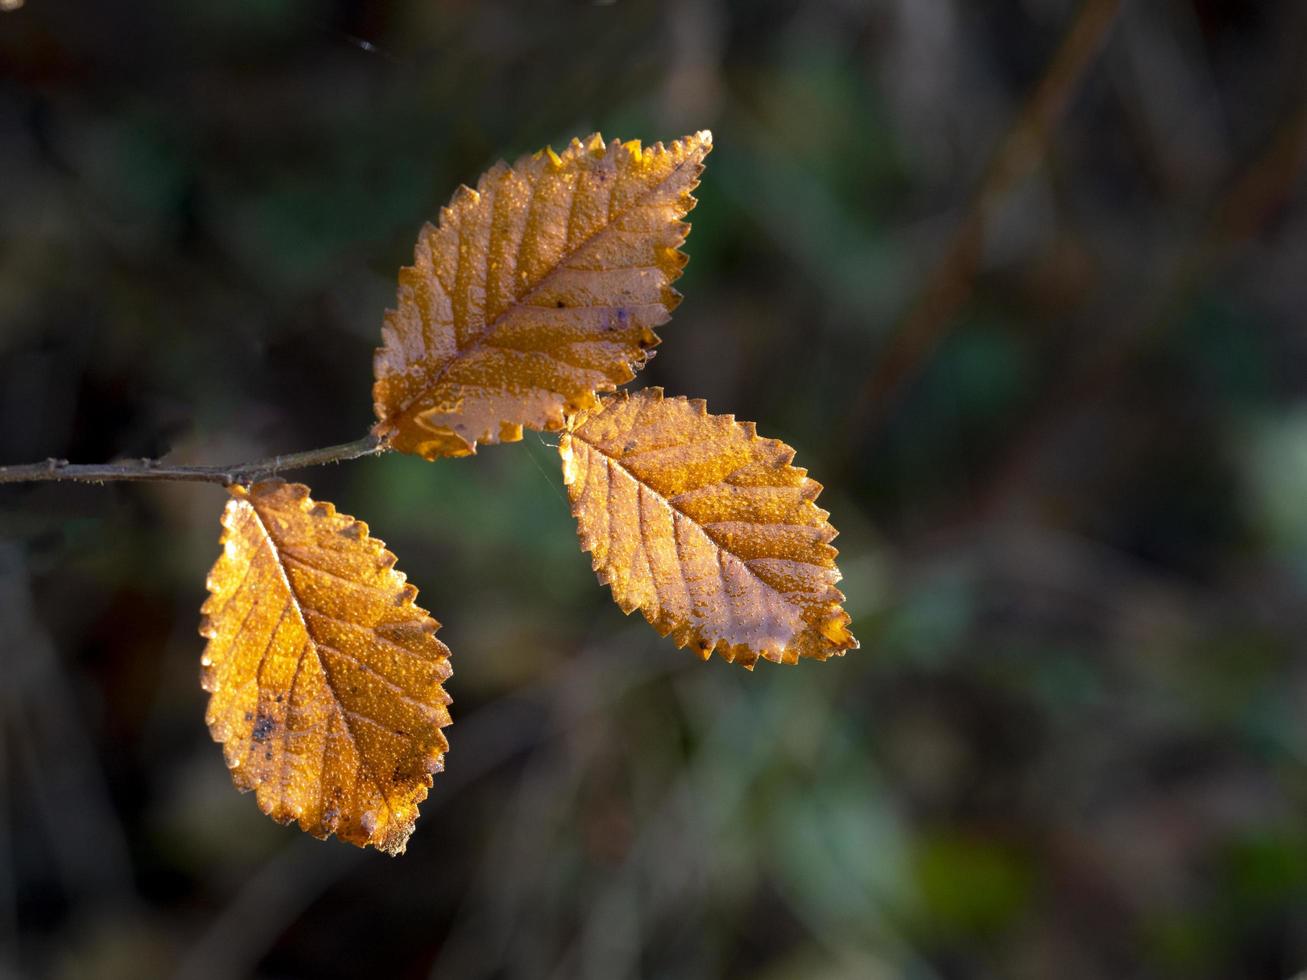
(538, 289)
(325, 677)
(706, 529)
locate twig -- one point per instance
(948, 288)
(153, 469)
(1252, 199)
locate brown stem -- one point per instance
(1253, 198)
(153, 469)
(948, 288)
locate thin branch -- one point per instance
(1253, 198)
(948, 288)
(153, 469)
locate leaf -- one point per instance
(706, 529)
(538, 289)
(325, 677)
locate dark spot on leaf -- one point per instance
(263, 727)
(560, 304)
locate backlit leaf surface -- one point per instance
(537, 290)
(325, 677)
(706, 529)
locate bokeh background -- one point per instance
(1022, 280)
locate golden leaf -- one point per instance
(325, 677)
(538, 289)
(706, 529)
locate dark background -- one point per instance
(1024, 286)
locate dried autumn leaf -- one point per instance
(538, 289)
(325, 677)
(706, 529)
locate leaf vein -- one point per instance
(400, 692)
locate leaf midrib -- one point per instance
(275, 550)
(666, 502)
